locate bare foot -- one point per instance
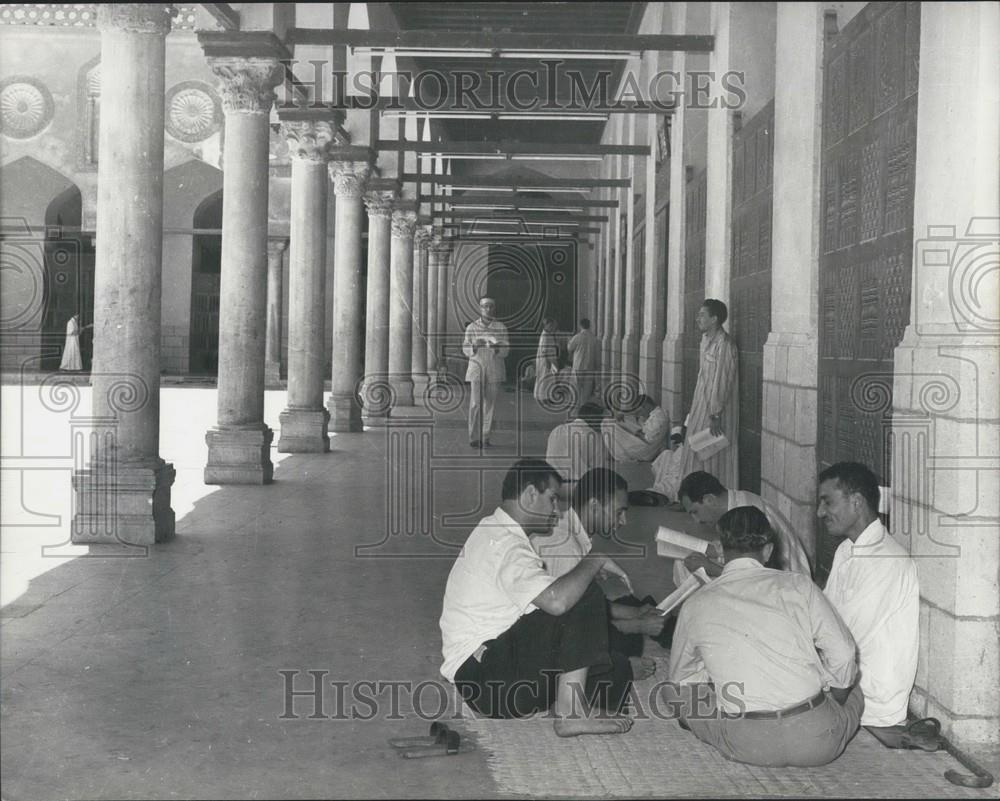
(642, 667)
(606, 724)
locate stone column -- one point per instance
(304, 421)
(432, 307)
(945, 430)
(791, 353)
(633, 305)
(618, 266)
(419, 338)
(607, 318)
(401, 307)
(671, 397)
(125, 464)
(348, 184)
(239, 447)
(654, 279)
(441, 254)
(275, 268)
(375, 394)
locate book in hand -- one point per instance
(691, 585)
(674, 544)
(706, 444)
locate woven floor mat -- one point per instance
(658, 758)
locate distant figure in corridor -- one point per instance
(546, 363)
(715, 406)
(873, 585)
(516, 640)
(585, 351)
(486, 345)
(72, 358)
(776, 659)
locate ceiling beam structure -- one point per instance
(499, 106)
(511, 148)
(519, 202)
(539, 183)
(487, 43)
(514, 218)
(224, 14)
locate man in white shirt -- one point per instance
(638, 436)
(575, 447)
(873, 585)
(780, 661)
(516, 639)
(599, 507)
(585, 351)
(486, 344)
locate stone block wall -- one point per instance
(174, 349)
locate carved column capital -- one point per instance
(422, 238)
(403, 224)
(379, 204)
(440, 248)
(349, 177)
(247, 84)
(151, 18)
(309, 140)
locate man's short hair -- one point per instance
(854, 477)
(485, 298)
(645, 400)
(717, 309)
(591, 412)
(536, 472)
(599, 483)
(745, 529)
(585, 323)
(697, 485)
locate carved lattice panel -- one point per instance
(750, 291)
(867, 232)
(694, 278)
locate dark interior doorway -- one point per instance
(206, 268)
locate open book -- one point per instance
(705, 444)
(694, 582)
(677, 545)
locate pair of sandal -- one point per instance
(925, 734)
(441, 741)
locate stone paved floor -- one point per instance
(157, 675)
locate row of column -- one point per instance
(123, 494)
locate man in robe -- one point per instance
(546, 363)
(585, 351)
(72, 359)
(486, 345)
(714, 407)
(873, 586)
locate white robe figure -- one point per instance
(71, 358)
(546, 368)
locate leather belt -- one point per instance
(778, 714)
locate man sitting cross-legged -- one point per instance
(516, 639)
(780, 659)
(599, 507)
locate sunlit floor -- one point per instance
(157, 675)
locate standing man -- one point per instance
(517, 640)
(486, 345)
(715, 406)
(779, 661)
(873, 585)
(585, 351)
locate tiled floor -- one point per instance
(157, 676)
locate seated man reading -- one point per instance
(873, 585)
(575, 447)
(639, 435)
(517, 640)
(598, 507)
(780, 660)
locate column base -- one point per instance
(420, 384)
(345, 413)
(139, 501)
(272, 373)
(304, 431)
(374, 420)
(402, 389)
(239, 456)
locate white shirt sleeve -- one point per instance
(522, 576)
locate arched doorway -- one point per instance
(69, 279)
(206, 266)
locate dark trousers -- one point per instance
(518, 673)
(632, 644)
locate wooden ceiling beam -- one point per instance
(520, 201)
(515, 183)
(511, 148)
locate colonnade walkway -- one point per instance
(156, 674)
